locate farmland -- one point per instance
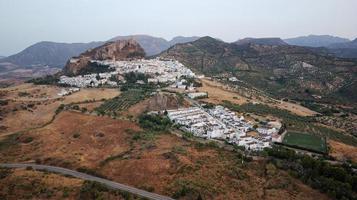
(306, 141)
(123, 101)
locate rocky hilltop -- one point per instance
(155, 45)
(117, 50)
(282, 70)
(262, 41)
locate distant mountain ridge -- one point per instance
(344, 45)
(284, 71)
(316, 40)
(155, 45)
(49, 54)
(262, 41)
(55, 54)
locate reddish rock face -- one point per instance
(118, 50)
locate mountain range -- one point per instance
(284, 71)
(56, 54)
(262, 41)
(316, 40)
(49, 54)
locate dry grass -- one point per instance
(46, 102)
(164, 162)
(28, 184)
(218, 92)
(342, 151)
(58, 144)
(92, 94)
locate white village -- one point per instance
(159, 71)
(220, 123)
(217, 123)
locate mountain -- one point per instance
(181, 39)
(152, 45)
(117, 50)
(262, 41)
(316, 40)
(1, 57)
(344, 50)
(344, 45)
(49, 54)
(12, 74)
(56, 54)
(284, 71)
(155, 45)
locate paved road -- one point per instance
(80, 175)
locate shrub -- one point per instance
(154, 122)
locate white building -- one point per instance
(195, 95)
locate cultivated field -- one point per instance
(307, 141)
(123, 102)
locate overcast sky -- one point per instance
(25, 22)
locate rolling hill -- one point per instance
(345, 45)
(262, 41)
(284, 71)
(316, 40)
(49, 54)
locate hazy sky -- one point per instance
(25, 22)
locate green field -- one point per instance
(123, 101)
(306, 141)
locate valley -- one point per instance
(198, 115)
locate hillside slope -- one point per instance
(285, 70)
(315, 40)
(261, 41)
(49, 54)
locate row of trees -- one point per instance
(338, 181)
(154, 122)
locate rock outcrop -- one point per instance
(118, 50)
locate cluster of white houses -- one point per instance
(159, 71)
(88, 80)
(221, 123)
(68, 91)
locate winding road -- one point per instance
(108, 183)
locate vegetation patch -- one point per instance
(94, 190)
(123, 101)
(154, 122)
(338, 181)
(8, 141)
(307, 141)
